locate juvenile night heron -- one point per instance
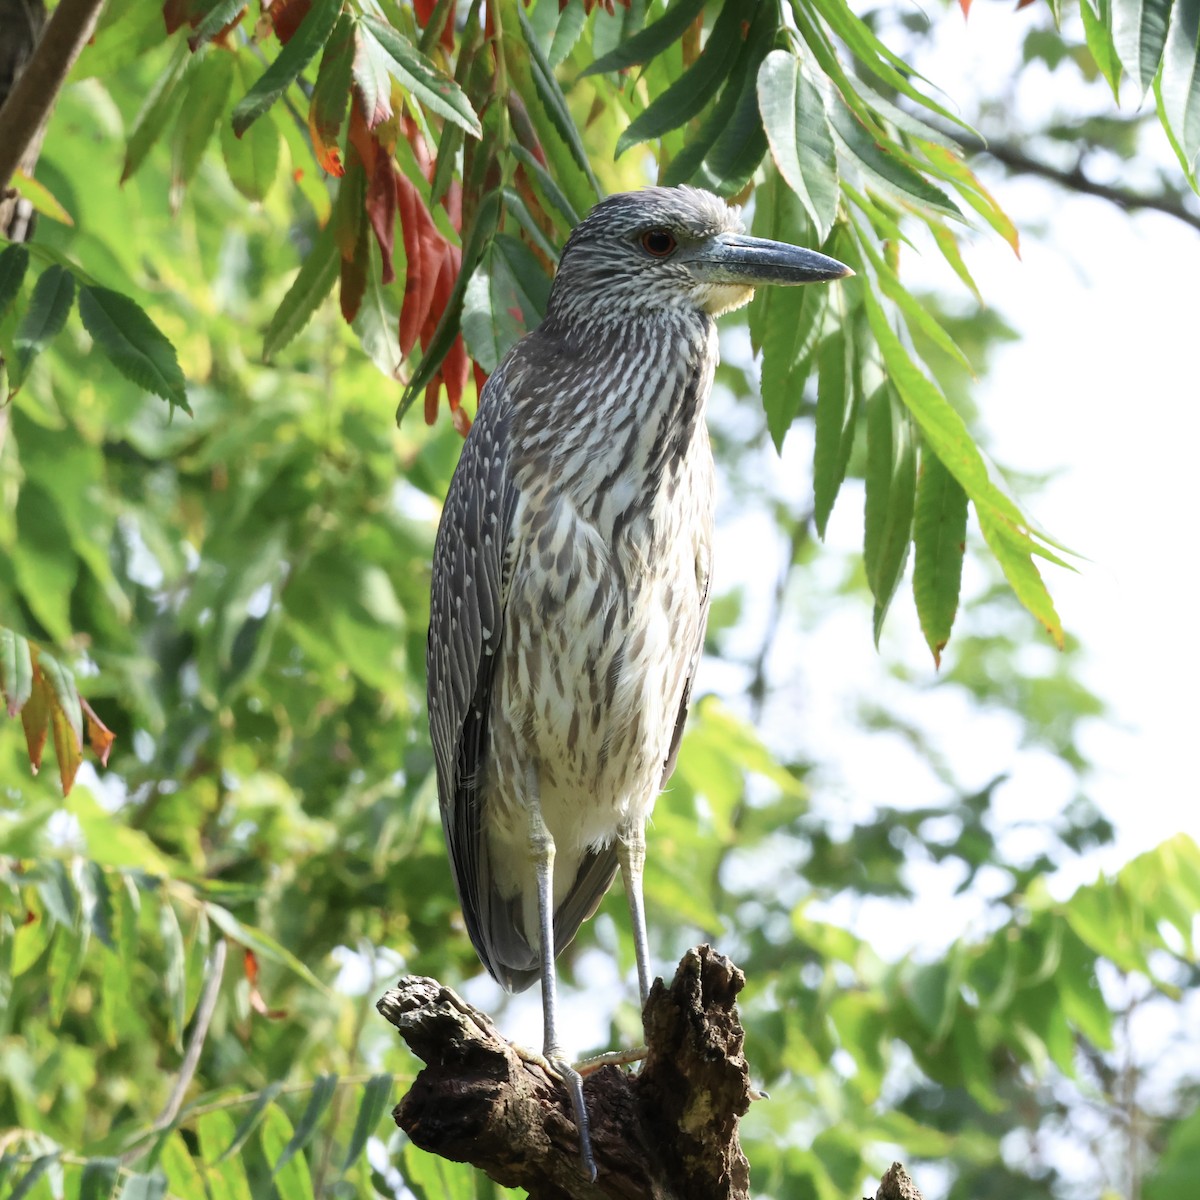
(571, 579)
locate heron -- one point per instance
(571, 578)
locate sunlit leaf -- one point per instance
(1139, 34)
(695, 87)
(299, 51)
(798, 131)
(376, 1095)
(323, 1089)
(939, 542)
(49, 306)
(1179, 85)
(206, 89)
(891, 491)
(133, 343)
(312, 284)
(410, 67)
(157, 109)
(648, 43)
(836, 418)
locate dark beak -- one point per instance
(738, 259)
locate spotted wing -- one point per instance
(466, 620)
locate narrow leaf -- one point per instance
(217, 17)
(891, 489)
(836, 416)
(263, 944)
(313, 283)
(13, 262)
(1179, 86)
(299, 51)
(16, 670)
(1139, 34)
(41, 197)
(98, 1179)
(174, 975)
(939, 540)
(292, 1181)
(133, 343)
(97, 899)
(375, 1100)
(145, 1187)
(207, 87)
(252, 160)
(555, 103)
(695, 87)
(1023, 576)
(651, 41)
(40, 1167)
(323, 1089)
(331, 95)
(250, 1121)
(436, 91)
(49, 306)
(798, 132)
(160, 105)
(1097, 31)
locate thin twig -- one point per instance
(191, 1058)
(1019, 161)
(33, 95)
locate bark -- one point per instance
(669, 1132)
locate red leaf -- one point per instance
(965, 5)
(361, 138)
(100, 737)
(416, 139)
(250, 966)
(522, 126)
(481, 377)
(461, 420)
(381, 210)
(432, 390)
(327, 108)
(353, 285)
(285, 17)
(411, 316)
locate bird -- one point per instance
(571, 580)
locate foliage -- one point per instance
(238, 582)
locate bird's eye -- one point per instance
(658, 243)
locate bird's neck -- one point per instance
(621, 414)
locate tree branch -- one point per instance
(668, 1133)
(32, 97)
(1016, 159)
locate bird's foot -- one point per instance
(557, 1067)
(615, 1058)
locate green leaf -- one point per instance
(413, 70)
(250, 1121)
(1098, 33)
(1139, 34)
(252, 160)
(567, 30)
(312, 33)
(378, 317)
(48, 309)
(891, 490)
(885, 171)
(312, 284)
(798, 132)
(554, 103)
(98, 1179)
(66, 696)
(292, 1180)
(145, 1187)
(1015, 558)
(789, 331)
(695, 87)
(16, 670)
(207, 87)
(159, 106)
(375, 1101)
(939, 541)
(133, 343)
(227, 1179)
(13, 262)
(67, 953)
(262, 944)
(174, 974)
(1179, 86)
(545, 182)
(184, 1178)
(97, 900)
(836, 418)
(40, 1166)
(217, 17)
(323, 1089)
(651, 41)
(505, 298)
(57, 892)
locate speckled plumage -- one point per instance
(571, 578)
(570, 588)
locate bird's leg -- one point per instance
(541, 846)
(631, 854)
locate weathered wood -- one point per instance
(670, 1132)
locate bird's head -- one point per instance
(678, 248)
